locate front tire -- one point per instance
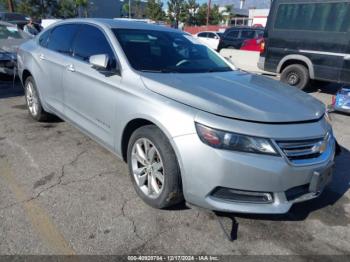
(153, 167)
(33, 102)
(296, 75)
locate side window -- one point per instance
(326, 17)
(211, 35)
(44, 38)
(61, 38)
(91, 41)
(247, 34)
(259, 34)
(233, 34)
(202, 35)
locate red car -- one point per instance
(256, 44)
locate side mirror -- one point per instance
(99, 61)
(216, 37)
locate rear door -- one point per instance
(231, 39)
(90, 94)
(53, 56)
(203, 38)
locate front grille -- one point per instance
(303, 149)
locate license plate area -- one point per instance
(320, 178)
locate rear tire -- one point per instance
(153, 168)
(33, 102)
(296, 75)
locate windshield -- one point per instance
(9, 32)
(166, 52)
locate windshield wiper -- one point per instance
(164, 70)
(212, 70)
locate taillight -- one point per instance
(262, 46)
(333, 100)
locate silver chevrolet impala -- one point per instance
(188, 124)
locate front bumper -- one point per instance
(204, 169)
(7, 66)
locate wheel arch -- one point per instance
(296, 59)
(25, 74)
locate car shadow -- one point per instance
(323, 87)
(10, 87)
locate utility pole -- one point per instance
(208, 12)
(11, 6)
(129, 9)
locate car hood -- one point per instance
(237, 95)
(11, 45)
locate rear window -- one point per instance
(248, 34)
(326, 17)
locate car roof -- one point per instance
(121, 24)
(244, 27)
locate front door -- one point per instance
(90, 94)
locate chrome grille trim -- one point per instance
(308, 151)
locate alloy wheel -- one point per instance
(147, 167)
(32, 99)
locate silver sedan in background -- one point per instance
(189, 126)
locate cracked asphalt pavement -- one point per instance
(62, 193)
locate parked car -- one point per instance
(341, 101)
(18, 19)
(256, 45)
(308, 40)
(188, 125)
(235, 36)
(10, 39)
(209, 38)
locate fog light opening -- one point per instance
(242, 196)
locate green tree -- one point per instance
(201, 15)
(137, 9)
(83, 7)
(228, 14)
(125, 9)
(191, 9)
(154, 10)
(215, 16)
(176, 11)
(67, 9)
(10, 4)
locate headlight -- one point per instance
(236, 142)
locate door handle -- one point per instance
(42, 57)
(71, 68)
(347, 57)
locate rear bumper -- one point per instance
(261, 63)
(204, 169)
